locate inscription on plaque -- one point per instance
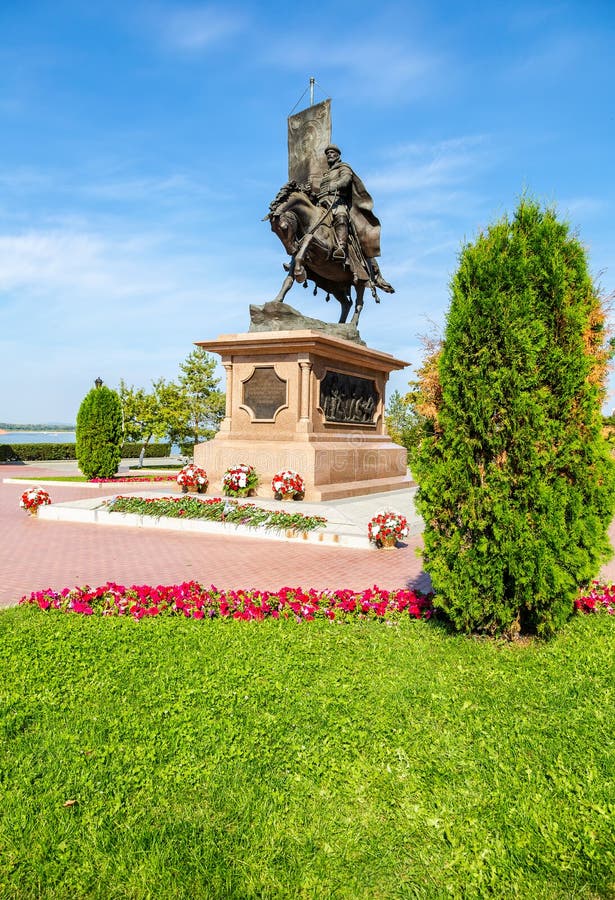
(348, 399)
(264, 393)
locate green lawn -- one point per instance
(321, 760)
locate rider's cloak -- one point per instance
(365, 223)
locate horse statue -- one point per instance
(306, 230)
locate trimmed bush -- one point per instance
(99, 433)
(517, 482)
(152, 451)
(45, 451)
(32, 452)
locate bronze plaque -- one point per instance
(309, 132)
(348, 399)
(264, 393)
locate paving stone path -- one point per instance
(37, 554)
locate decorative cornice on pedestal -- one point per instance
(316, 342)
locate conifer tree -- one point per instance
(516, 481)
(99, 433)
(204, 400)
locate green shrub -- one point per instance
(99, 433)
(152, 451)
(45, 451)
(7, 454)
(33, 452)
(516, 481)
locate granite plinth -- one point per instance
(306, 401)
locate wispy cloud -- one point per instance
(555, 57)
(582, 207)
(533, 16)
(175, 186)
(376, 69)
(419, 167)
(193, 29)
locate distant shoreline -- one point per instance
(42, 429)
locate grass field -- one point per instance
(170, 758)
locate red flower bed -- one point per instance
(601, 598)
(193, 600)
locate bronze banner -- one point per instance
(309, 132)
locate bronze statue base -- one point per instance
(307, 401)
(277, 316)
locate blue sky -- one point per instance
(141, 143)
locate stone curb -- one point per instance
(93, 512)
(166, 485)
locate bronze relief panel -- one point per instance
(348, 399)
(264, 393)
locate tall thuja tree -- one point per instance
(99, 433)
(516, 481)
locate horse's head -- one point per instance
(291, 215)
(285, 224)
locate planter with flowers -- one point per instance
(239, 481)
(288, 485)
(192, 478)
(386, 528)
(33, 498)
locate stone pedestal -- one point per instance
(307, 401)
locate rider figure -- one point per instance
(335, 193)
(342, 191)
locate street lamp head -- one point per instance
(98, 382)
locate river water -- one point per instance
(38, 437)
(51, 437)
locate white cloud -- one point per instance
(193, 29)
(556, 57)
(378, 69)
(582, 207)
(418, 167)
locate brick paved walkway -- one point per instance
(36, 554)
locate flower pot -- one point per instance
(184, 488)
(201, 488)
(388, 543)
(289, 495)
(33, 510)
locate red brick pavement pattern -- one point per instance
(37, 554)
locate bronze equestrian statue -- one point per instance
(332, 236)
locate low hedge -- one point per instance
(133, 451)
(35, 452)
